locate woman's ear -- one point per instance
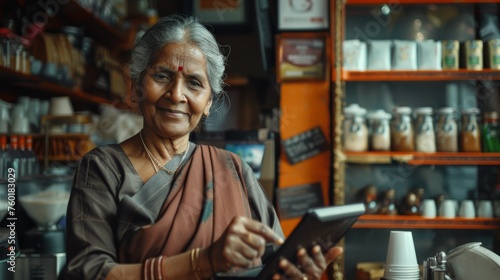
(207, 108)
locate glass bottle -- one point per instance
(380, 131)
(32, 161)
(470, 134)
(3, 156)
(425, 139)
(402, 130)
(446, 131)
(355, 129)
(491, 132)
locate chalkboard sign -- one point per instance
(305, 145)
(293, 202)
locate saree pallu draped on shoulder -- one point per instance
(206, 195)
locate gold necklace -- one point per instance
(158, 166)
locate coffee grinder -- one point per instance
(43, 250)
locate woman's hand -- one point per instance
(242, 245)
(308, 267)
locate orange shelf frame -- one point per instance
(417, 222)
(404, 2)
(419, 158)
(420, 75)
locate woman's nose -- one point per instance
(175, 93)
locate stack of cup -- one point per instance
(401, 261)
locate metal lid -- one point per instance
(402, 110)
(354, 110)
(470, 111)
(423, 111)
(379, 115)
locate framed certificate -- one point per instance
(301, 56)
(221, 15)
(303, 14)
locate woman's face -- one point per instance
(175, 92)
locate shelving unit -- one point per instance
(416, 158)
(368, 225)
(414, 222)
(421, 75)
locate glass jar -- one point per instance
(380, 131)
(355, 129)
(446, 131)
(470, 134)
(425, 139)
(402, 130)
(5, 48)
(491, 132)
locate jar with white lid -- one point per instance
(380, 131)
(355, 129)
(446, 130)
(425, 139)
(402, 134)
(470, 133)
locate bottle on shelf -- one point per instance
(380, 131)
(355, 129)
(21, 156)
(402, 134)
(388, 206)
(425, 140)
(446, 131)
(470, 134)
(32, 165)
(491, 132)
(3, 155)
(12, 158)
(370, 199)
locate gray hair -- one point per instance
(178, 29)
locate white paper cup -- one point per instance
(20, 125)
(485, 209)
(401, 250)
(467, 209)
(448, 209)
(61, 106)
(429, 208)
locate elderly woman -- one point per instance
(159, 207)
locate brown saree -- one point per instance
(114, 217)
(197, 210)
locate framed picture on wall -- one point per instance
(303, 14)
(301, 56)
(222, 15)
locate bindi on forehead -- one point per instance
(180, 68)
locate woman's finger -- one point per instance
(290, 271)
(259, 228)
(333, 253)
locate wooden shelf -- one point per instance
(73, 13)
(404, 2)
(417, 158)
(46, 88)
(417, 222)
(420, 75)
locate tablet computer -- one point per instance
(324, 226)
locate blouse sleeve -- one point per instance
(91, 215)
(260, 205)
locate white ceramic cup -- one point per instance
(429, 208)
(401, 250)
(467, 209)
(448, 209)
(485, 209)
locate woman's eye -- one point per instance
(194, 83)
(160, 77)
